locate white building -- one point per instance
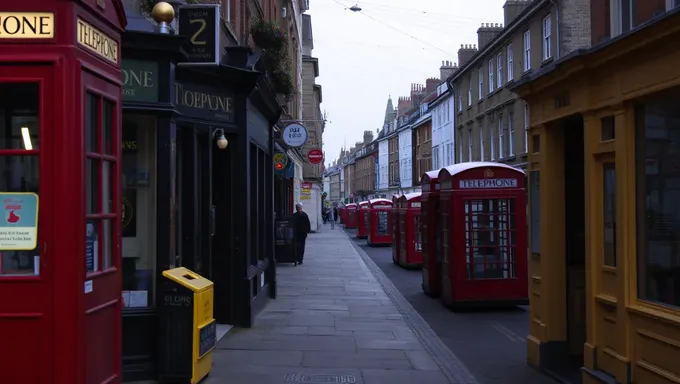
(383, 164)
(405, 159)
(443, 138)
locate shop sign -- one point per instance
(19, 227)
(201, 24)
(488, 183)
(26, 25)
(294, 135)
(140, 80)
(97, 41)
(280, 161)
(203, 102)
(315, 156)
(306, 185)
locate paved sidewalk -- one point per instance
(337, 319)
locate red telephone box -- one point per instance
(410, 238)
(379, 229)
(350, 216)
(432, 234)
(396, 244)
(483, 208)
(60, 282)
(362, 220)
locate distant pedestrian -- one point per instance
(331, 217)
(302, 228)
(335, 214)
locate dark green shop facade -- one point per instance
(186, 202)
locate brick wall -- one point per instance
(574, 24)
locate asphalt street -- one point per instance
(491, 343)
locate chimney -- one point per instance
(431, 85)
(512, 9)
(447, 69)
(368, 137)
(403, 105)
(465, 53)
(417, 94)
(487, 32)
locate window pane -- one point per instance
(609, 214)
(107, 246)
(107, 186)
(91, 172)
(658, 206)
(607, 129)
(107, 127)
(490, 228)
(138, 210)
(91, 246)
(91, 134)
(19, 116)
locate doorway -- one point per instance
(575, 253)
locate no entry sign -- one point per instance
(315, 156)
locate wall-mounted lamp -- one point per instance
(222, 141)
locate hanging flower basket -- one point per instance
(282, 82)
(268, 36)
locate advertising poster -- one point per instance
(19, 224)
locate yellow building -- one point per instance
(604, 182)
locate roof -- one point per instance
(431, 175)
(412, 195)
(455, 169)
(373, 201)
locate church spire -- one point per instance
(389, 110)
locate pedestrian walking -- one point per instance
(302, 228)
(331, 217)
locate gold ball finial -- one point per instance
(163, 12)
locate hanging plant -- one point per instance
(283, 82)
(268, 35)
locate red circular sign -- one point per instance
(315, 156)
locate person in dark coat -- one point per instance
(302, 228)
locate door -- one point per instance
(25, 266)
(206, 209)
(103, 262)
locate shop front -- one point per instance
(60, 262)
(197, 185)
(603, 209)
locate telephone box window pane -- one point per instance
(91, 246)
(609, 214)
(91, 134)
(91, 180)
(417, 227)
(490, 250)
(19, 116)
(383, 228)
(107, 126)
(107, 187)
(107, 246)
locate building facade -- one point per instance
(491, 121)
(443, 143)
(603, 202)
(422, 143)
(405, 153)
(364, 171)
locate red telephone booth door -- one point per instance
(396, 235)
(489, 261)
(26, 266)
(362, 221)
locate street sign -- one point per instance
(315, 156)
(280, 161)
(294, 135)
(201, 24)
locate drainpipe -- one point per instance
(557, 30)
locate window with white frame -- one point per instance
(480, 75)
(501, 138)
(620, 16)
(449, 154)
(527, 50)
(435, 155)
(481, 142)
(493, 141)
(491, 83)
(499, 69)
(460, 146)
(511, 68)
(469, 90)
(526, 128)
(670, 4)
(469, 144)
(547, 33)
(459, 95)
(511, 134)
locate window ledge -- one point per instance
(547, 61)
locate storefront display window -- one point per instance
(657, 202)
(19, 161)
(139, 210)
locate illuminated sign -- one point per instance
(26, 25)
(488, 183)
(97, 42)
(280, 161)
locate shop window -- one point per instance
(609, 214)
(607, 128)
(139, 210)
(657, 203)
(490, 238)
(535, 210)
(19, 162)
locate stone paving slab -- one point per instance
(337, 319)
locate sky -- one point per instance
(364, 57)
